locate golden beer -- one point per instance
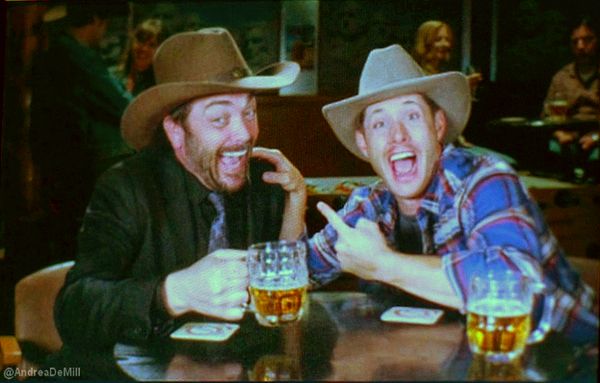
(278, 281)
(275, 368)
(274, 306)
(497, 329)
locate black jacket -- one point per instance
(143, 223)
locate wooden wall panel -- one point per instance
(295, 125)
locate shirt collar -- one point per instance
(443, 177)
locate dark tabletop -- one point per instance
(342, 338)
(527, 142)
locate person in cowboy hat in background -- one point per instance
(440, 214)
(160, 234)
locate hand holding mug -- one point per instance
(216, 286)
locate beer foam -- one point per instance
(280, 284)
(499, 308)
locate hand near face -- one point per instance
(292, 181)
(285, 174)
(216, 285)
(359, 249)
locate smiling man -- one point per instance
(440, 214)
(165, 232)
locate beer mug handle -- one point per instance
(543, 327)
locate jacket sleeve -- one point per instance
(100, 302)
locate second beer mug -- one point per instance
(499, 315)
(278, 281)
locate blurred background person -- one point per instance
(434, 43)
(577, 84)
(135, 69)
(76, 107)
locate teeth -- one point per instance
(237, 153)
(401, 156)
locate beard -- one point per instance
(208, 165)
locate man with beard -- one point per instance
(577, 83)
(163, 234)
(440, 214)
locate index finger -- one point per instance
(334, 220)
(274, 156)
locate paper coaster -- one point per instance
(211, 332)
(402, 314)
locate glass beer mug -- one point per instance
(556, 108)
(278, 281)
(499, 308)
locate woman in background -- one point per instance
(434, 43)
(135, 69)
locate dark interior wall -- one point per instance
(532, 39)
(255, 25)
(349, 29)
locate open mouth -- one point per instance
(403, 163)
(233, 160)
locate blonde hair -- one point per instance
(424, 40)
(146, 30)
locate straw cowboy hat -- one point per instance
(391, 72)
(195, 64)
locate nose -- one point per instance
(241, 131)
(398, 133)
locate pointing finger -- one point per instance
(334, 220)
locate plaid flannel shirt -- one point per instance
(477, 216)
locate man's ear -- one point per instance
(174, 132)
(361, 142)
(441, 124)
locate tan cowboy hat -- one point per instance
(194, 64)
(391, 72)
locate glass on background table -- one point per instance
(341, 338)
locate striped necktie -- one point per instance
(218, 229)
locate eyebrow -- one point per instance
(217, 102)
(409, 102)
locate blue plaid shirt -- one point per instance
(477, 215)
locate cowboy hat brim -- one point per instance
(145, 113)
(449, 90)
